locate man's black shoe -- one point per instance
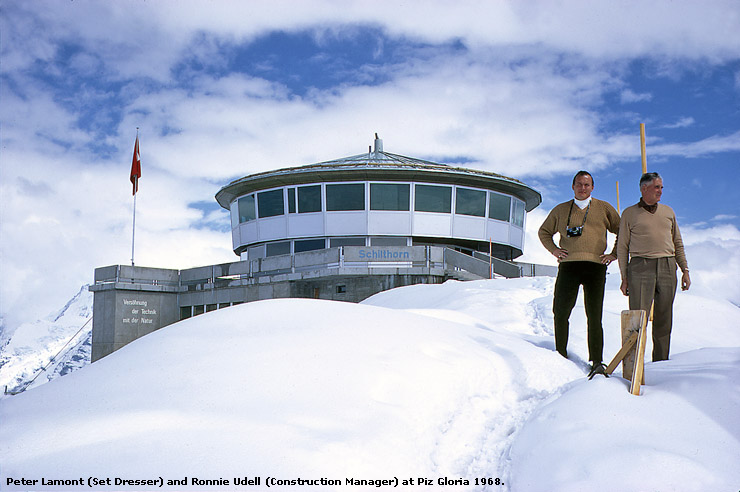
(597, 368)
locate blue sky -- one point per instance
(535, 90)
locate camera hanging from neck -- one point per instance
(576, 231)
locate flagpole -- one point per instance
(135, 173)
(133, 233)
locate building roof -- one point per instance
(381, 166)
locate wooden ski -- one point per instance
(633, 331)
(638, 371)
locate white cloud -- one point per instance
(628, 96)
(708, 146)
(713, 259)
(723, 217)
(156, 32)
(684, 122)
(495, 113)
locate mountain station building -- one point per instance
(344, 230)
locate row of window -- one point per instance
(383, 196)
(302, 245)
(190, 311)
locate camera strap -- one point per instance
(572, 202)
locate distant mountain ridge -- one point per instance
(64, 336)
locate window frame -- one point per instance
(424, 185)
(398, 185)
(270, 193)
(354, 184)
(481, 193)
(493, 194)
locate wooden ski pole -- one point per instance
(642, 148)
(644, 170)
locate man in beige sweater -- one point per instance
(582, 224)
(648, 250)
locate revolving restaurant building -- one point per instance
(377, 199)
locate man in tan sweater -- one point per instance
(649, 249)
(582, 224)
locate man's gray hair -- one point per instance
(647, 179)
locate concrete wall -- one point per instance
(124, 310)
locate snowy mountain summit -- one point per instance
(60, 343)
(433, 387)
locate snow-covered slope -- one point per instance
(449, 382)
(31, 346)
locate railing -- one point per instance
(352, 259)
(137, 275)
(535, 270)
(345, 257)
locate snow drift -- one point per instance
(451, 383)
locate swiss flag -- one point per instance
(136, 166)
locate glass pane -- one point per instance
(234, 213)
(256, 252)
(499, 207)
(246, 209)
(309, 245)
(431, 198)
(518, 213)
(291, 200)
(345, 197)
(470, 202)
(309, 199)
(275, 249)
(346, 241)
(270, 203)
(388, 241)
(389, 196)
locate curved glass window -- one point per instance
(470, 202)
(246, 209)
(345, 197)
(430, 198)
(270, 203)
(499, 207)
(309, 199)
(390, 196)
(518, 213)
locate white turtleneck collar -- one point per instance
(582, 204)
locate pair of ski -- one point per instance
(632, 353)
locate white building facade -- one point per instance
(377, 199)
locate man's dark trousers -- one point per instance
(571, 275)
